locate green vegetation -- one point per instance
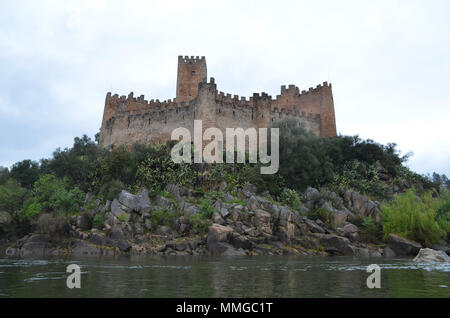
(369, 230)
(348, 161)
(206, 209)
(291, 198)
(199, 223)
(52, 194)
(164, 217)
(122, 218)
(58, 184)
(158, 169)
(12, 196)
(98, 221)
(323, 215)
(420, 218)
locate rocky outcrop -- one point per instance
(218, 238)
(402, 246)
(334, 244)
(239, 222)
(361, 205)
(428, 255)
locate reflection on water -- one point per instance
(278, 276)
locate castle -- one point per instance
(130, 120)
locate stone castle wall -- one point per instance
(129, 120)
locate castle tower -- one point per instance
(191, 71)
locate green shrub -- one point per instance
(122, 218)
(361, 177)
(158, 169)
(443, 212)
(369, 230)
(12, 196)
(206, 209)
(31, 208)
(323, 215)
(52, 194)
(414, 218)
(111, 189)
(199, 223)
(291, 198)
(98, 221)
(164, 217)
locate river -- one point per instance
(277, 276)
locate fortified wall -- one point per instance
(130, 120)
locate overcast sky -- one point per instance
(388, 61)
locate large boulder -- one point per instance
(34, 245)
(362, 206)
(313, 226)
(312, 194)
(388, 252)
(241, 241)
(402, 246)
(84, 222)
(229, 250)
(286, 226)
(262, 221)
(253, 203)
(81, 248)
(427, 255)
(129, 200)
(218, 234)
(117, 208)
(144, 204)
(350, 231)
(336, 243)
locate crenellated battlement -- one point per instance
(191, 59)
(128, 119)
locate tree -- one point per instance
(26, 172)
(12, 196)
(4, 175)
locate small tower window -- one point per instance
(193, 72)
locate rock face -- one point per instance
(402, 246)
(84, 222)
(388, 252)
(337, 244)
(238, 222)
(427, 255)
(217, 235)
(362, 206)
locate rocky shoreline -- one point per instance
(241, 223)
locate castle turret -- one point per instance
(191, 72)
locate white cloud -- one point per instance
(73, 20)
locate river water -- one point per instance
(277, 276)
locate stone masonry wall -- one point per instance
(129, 120)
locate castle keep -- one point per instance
(129, 120)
